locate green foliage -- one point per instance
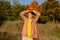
(44, 19)
(10, 12)
(51, 10)
(4, 10)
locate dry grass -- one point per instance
(11, 30)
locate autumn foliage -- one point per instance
(49, 10)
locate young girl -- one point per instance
(29, 31)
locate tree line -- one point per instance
(49, 12)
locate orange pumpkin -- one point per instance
(30, 8)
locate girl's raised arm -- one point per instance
(22, 14)
(37, 15)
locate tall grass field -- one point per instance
(11, 30)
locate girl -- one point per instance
(29, 31)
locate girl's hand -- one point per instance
(34, 11)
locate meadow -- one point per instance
(11, 30)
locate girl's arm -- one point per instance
(22, 14)
(37, 15)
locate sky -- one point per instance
(29, 1)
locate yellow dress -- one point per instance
(29, 28)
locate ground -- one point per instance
(11, 30)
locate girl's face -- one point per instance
(30, 15)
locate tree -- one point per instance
(50, 10)
(4, 10)
(35, 5)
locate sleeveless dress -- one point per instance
(29, 30)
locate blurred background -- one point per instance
(11, 24)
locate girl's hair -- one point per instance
(32, 13)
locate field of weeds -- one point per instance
(11, 30)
